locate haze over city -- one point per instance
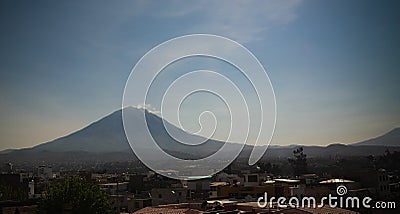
(333, 64)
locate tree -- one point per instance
(299, 161)
(389, 160)
(269, 168)
(74, 195)
(12, 192)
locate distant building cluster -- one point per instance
(230, 191)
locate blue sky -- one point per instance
(334, 65)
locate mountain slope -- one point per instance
(107, 135)
(392, 138)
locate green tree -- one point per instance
(8, 192)
(74, 195)
(269, 168)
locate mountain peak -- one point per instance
(108, 135)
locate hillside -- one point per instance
(391, 138)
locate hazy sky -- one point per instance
(334, 65)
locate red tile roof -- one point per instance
(327, 210)
(166, 210)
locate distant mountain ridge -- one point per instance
(105, 139)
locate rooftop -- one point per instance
(326, 210)
(166, 210)
(285, 180)
(215, 184)
(336, 181)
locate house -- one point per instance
(170, 195)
